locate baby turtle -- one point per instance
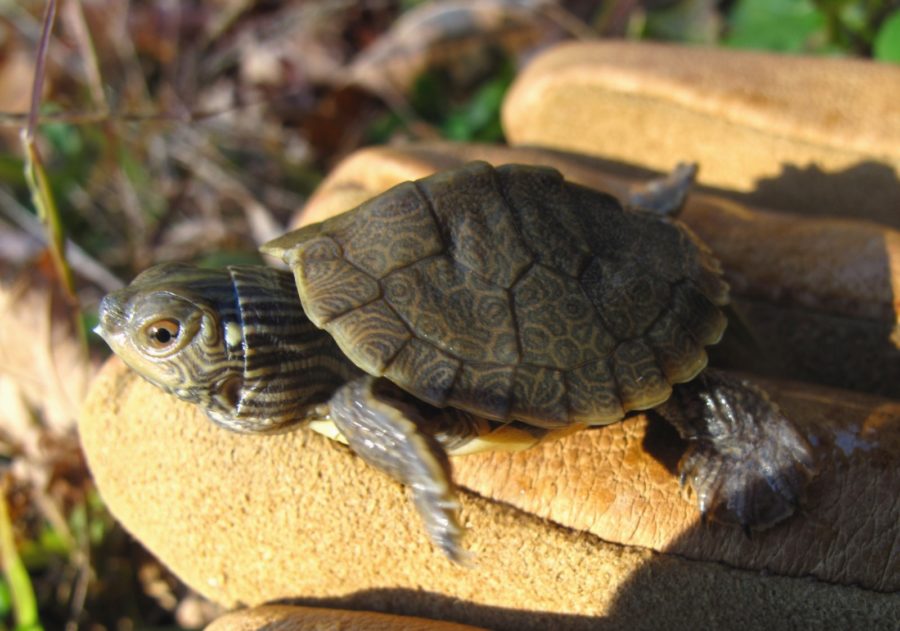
(478, 308)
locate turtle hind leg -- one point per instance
(664, 195)
(746, 461)
(388, 435)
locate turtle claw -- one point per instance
(732, 488)
(746, 462)
(388, 435)
(440, 516)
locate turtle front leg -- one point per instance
(746, 461)
(388, 434)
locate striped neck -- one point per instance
(287, 364)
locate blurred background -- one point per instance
(142, 131)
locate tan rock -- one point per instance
(812, 135)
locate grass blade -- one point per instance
(24, 602)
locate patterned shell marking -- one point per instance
(511, 293)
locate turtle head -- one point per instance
(234, 341)
(173, 325)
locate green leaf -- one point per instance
(480, 118)
(779, 25)
(695, 21)
(887, 42)
(11, 168)
(24, 603)
(65, 139)
(5, 600)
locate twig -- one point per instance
(80, 260)
(208, 164)
(35, 175)
(73, 117)
(37, 87)
(73, 13)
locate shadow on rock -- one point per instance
(868, 190)
(833, 565)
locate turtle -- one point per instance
(477, 308)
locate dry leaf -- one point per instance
(44, 368)
(452, 34)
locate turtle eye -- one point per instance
(163, 333)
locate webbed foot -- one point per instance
(386, 433)
(747, 463)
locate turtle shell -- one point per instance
(513, 294)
